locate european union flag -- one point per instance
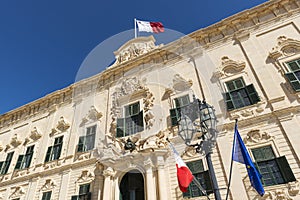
(241, 155)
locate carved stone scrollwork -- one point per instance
(255, 136)
(148, 105)
(229, 67)
(189, 152)
(14, 141)
(86, 176)
(109, 172)
(61, 126)
(128, 87)
(134, 48)
(17, 192)
(285, 47)
(35, 134)
(249, 112)
(286, 193)
(132, 87)
(92, 116)
(48, 185)
(180, 84)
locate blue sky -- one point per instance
(43, 43)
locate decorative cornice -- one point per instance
(231, 27)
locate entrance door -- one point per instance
(132, 186)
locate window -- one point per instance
(294, 75)
(46, 195)
(181, 104)
(133, 121)
(273, 170)
(4, 165)
(84, 193)
(53, 152)
(240, 95)
(202, 176)
(25, 160)
(87, 142)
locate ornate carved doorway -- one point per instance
(132, 186)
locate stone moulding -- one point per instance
(85, 177)
(134, 48)
(285, 47)
(17, 192)
(180, 84)
(61, 126)
(256, 137)
(286, 192)
(132, 88)
(229, 67)
(48, 185)
(92, 116)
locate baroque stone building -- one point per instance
(105, 137)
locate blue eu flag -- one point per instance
(241, 155)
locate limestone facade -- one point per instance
(257, 46)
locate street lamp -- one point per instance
(188, 126)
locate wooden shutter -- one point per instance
(228, 101)
(48, 154)
(84, 189)
(254, 98)
(120, 127)
(80, 146)
(174, 115)
(75, 197)
(285, 169)
(140, 122)
(208, 184)
(19, 162)
(293, 80)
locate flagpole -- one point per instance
(135, 28)
(230, 172)
(200, 187)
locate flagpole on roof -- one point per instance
(135, 28)
(230, 171)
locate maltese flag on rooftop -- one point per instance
(153, 27)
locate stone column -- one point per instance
(64, 184)
(32, 188)
(162, 180)
(150, 180)
(109, 173)
(99, 183)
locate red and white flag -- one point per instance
(153, 27)
(184, 175)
